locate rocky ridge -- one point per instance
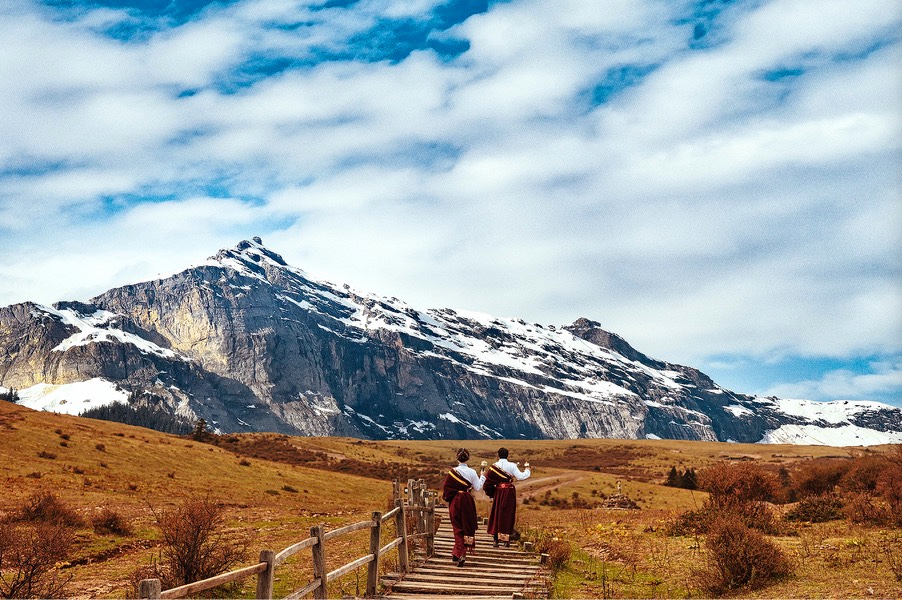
(250, 343)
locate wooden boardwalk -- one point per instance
(487, 573)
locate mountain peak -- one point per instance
(249, 253)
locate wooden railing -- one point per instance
(420, 504)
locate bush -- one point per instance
(45, 507)
(729, 484)
(864, 508)
(819, 476)
(28, 558)
(559, 553)
(47, 455)
(753, 514)
(100, 447)
(740, 558)
(110, 521)
(817, 509)
(194, 546)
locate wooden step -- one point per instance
(467, 577)
(450, 588)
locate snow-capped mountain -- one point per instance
(250, 343)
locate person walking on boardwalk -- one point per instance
(461, 507)
(499, 486)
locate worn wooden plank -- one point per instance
(294, 549)
(470, 578)
(349, 567)
(440, 587)
(212, 582)
(304, 590)
(390, 514)
(390, 546)
(347, 529)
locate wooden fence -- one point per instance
(420, 505)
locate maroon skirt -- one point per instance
(462, 510)
(504, 510)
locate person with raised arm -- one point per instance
(499, 486)
(461, 508)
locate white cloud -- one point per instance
(843, 384)
(704, 210)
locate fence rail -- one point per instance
(420, 504)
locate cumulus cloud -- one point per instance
(883, 378)
(702, 181)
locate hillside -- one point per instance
(95, 464)
(250, 343)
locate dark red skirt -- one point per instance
(462, 511)
(504, 510)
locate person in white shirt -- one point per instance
(461, 507)
(500, 487)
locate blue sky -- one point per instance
(717, 181)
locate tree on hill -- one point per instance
(140, 416)
(10, 396)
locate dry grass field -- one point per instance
(273, 488)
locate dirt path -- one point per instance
(533, 487)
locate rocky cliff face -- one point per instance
(250, 343)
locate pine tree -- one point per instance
(200, 433)
(688, 480)
(673, 478)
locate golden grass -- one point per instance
(617, 552)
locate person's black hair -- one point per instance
(463, 455)
(503, 453)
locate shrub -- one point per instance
(559, 553)
(740, 558)
(45, 507)
(288, 488)
(863, 474)
(817, 509)
(244, 462)
(819, 476)
(110, 521)
(864, 508)
(889, 485)
(28, 558)
(736, 483)
(194, 546)
(755, 515)
(100, 447)
(47, 455)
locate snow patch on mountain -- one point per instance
(844, 435)
(836, 412)
(100, 326)
(72, 398)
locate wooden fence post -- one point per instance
(319, 562)
(430, 529)
(372, 572)
(395, 490)
(150, 589)
(401, 532)
(265, 579)
(421, 503)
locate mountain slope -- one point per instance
(250, 343)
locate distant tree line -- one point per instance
(686, 480)
(141, 415)
(11, 396)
